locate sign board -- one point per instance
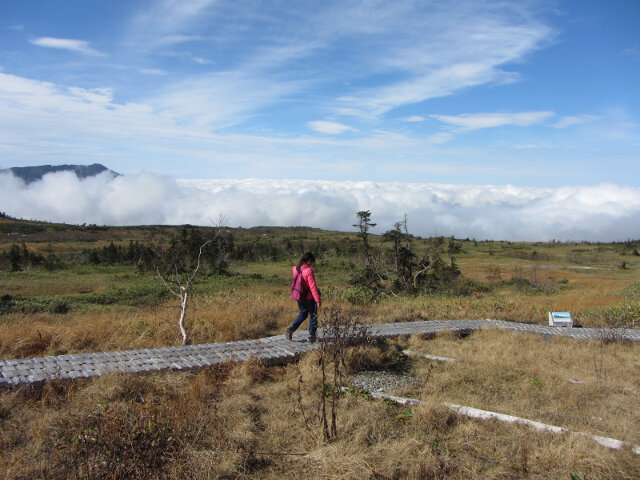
(560, 319)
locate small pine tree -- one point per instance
(14, 258)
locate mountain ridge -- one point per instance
(34, 173)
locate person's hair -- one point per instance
(306, 258)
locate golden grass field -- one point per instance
(251, 421)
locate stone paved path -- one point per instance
(271, 350)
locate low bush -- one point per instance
(132, 295)
(359, 295)
(7, 304)
(43, 304)
(119, 442)
(462, 286)
(522, 285)
(626, 315)
(632, 290)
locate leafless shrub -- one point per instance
(340, 331)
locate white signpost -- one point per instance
(560, 319)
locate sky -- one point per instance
(494, 119)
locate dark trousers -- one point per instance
(308, 308)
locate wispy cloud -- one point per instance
(441, 82)
(151, 71)
(324, 126)
(385, 55)
(414, 119)
(219, 99)
(73, 45)
(603, 212)
(164, 22)
(437, 49)
(440, 137)
(477, 121)
(633, 52)
(61, 124)
(177, 39)
(571, 120)
(100, 96)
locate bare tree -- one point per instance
(189, 254)
(171, 269)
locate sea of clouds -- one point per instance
(604, 212)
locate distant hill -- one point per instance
(33, 174)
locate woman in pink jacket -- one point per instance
(309, 303)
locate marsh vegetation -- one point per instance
(77, 290)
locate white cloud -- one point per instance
(323, 126)
(385, 54)
(602, 212)
(571, 120)
(100, 96)
(435, 49)
(414, 118)
(477, 121)
(219, 99)
(633, 52)
(33, 110)
(201, 61)
(176, 39)
(441, 82)
(162, 22)
(440, 137)
(79, 46)
(152, 71)
(41, 109)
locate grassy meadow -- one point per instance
(252, 421)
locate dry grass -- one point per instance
(25, 335)
(528, 376)
(244, 313)
(250, 421)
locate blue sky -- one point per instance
(487, 119)
(529, 93)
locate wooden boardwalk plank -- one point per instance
(272, 350)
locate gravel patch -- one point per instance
(382, 381)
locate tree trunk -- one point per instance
(183, 312)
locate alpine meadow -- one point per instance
(74, 289)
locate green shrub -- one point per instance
(120, 443)
(359, 295)
(7, 304)
(527, 287)
(461, 286)
(131, 295)
(146, 294)
(44, 304)
(616, 316)
(631, 291)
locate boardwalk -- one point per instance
(272, 350)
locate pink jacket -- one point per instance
(310, 279)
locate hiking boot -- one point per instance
(287, 333)
(312, 339)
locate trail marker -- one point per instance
(560, 319)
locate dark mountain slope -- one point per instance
(33, 174)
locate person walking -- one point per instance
(310, 299)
